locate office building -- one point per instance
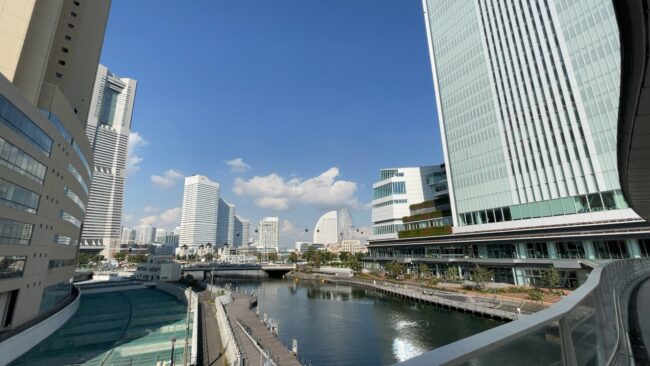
(108, 129)
(171, 240)
(527, 103)
(345, 224)
(351, 246)
(269, 234)
(128, 236)
(161, 236)
(396, 190)
(199, 213)
(242, 231)
(225, 224)
(145, 234)
(46, 161)
(326, 229)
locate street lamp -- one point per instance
(173, 340)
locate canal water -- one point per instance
(345, 325)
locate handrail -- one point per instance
(591, 301)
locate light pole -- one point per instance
(173, 339)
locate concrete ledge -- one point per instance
(22, 342)
(192, 299)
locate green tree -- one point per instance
(452, 274)
(355, 265)
(137, 258)
(316, 259)
(273, 257)
(344, 256)
(481, 276)
(551, 278)
(536, 294)
(119, 256)
(423, 270)
(395, 269)
(293, 257)
(83, 259)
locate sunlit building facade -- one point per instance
(326, 229)
(199, 212)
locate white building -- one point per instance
(158, 268)
(200, 211)
(351, 246)
(145, 234)
(242, 231)
(345, 224)
(128, 236)
(108, 129)
(395, 191)
(326, 229)
(225, 224)
(269, 233)
(161, 234)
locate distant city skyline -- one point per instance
(291, 153)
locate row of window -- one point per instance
(12, 266)
(75, 198)
(58, 263)
(71, 219)
(389, 173)
(56, 122)
(13, 118)
(442, 221)
(15, 196)
(389, 189)
(15, 232)
(65, 240)
(599, 249)
(22, 163)
(387, 229)
(388, 203)
(604, 201)
(78, 177)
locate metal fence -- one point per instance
(588, 327)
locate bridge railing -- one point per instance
(588, 327)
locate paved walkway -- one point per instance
(239, 312)
(210, 346)
(640, 323)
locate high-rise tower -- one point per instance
(108, 129)
(49, 52)
(200, 212)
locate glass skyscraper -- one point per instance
(527, 95)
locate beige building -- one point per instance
(159, 268)
(49, 52)
(352, 246)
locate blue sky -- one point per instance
(314, 97)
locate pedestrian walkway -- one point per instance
(210, 346)
(254, 335)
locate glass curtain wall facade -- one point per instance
(527, 95)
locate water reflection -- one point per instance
(344, 325)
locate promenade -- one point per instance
(484, 306)
(255, 340)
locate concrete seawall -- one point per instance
(192, 300)
(231, 349)
(434, 297)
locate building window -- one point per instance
(69, 218)
(61, 62)
(15, 196)
(78, 177)
(389, 189)
(12, 266)
(71, 26)
(65, 240)
(67, 37)
(15, 232)
(76, 3)
(64, 49)
(75, 198)
(53, 295)
(19, 161)
(74, 15)
(13, 118)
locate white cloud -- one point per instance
(287, 226)
(167, 180)
(134, 152)
(167, 220)
(323, 191)
(150, 209)
(237, 165)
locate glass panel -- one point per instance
(13, 118)
(15, 196)
(556, 207)
(498, 215)
(15, 232)
(545, 208)
(620, 200)
(12, 266)
(524, 210)
(581, 204)
(515, 212)
(534, 209)
(609, 202)
(595, 203)
(506, 214)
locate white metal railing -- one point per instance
(588, 327)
